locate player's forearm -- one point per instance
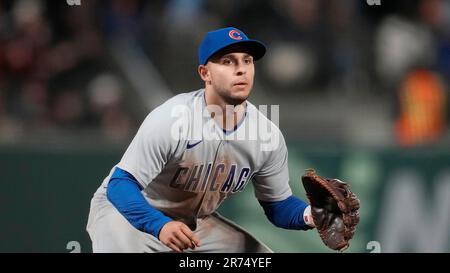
(286, 214)
(124, 193)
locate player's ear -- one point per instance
(204, 73)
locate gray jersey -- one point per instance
(186, 170)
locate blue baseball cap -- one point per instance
(217, 40)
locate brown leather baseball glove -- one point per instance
(334, 209)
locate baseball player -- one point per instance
(189, 155)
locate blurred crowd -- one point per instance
(57, 76)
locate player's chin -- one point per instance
(240, 91)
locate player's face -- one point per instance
(231, 76)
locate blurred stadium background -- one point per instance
(362, 89)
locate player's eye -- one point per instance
(248, 61)
(226, 61)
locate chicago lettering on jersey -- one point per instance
(201, 177)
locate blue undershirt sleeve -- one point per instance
(124, 192)
(287, 213)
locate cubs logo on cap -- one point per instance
(234, 34)
(220, 39)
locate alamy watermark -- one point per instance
(205, 124)
(373, 2)
(74, 246)
(73, 2)
(375, 246)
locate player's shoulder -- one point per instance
(186, 98)
(178, 102)
(260, 114)
(267, 128)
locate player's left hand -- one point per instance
(334, 209)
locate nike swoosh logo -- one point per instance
(189, 146)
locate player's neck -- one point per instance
(229, 115)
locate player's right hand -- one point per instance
(178, 236)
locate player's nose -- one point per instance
(241, 68)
